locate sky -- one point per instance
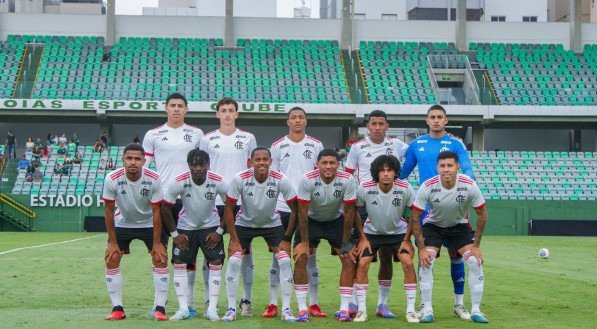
(285, 7)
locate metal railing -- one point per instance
(21, 215)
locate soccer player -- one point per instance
(132, 197)
(167, 145)
(450, 196)
(360, 157)
(198, 228)
(386, 197)
(423, 152)
(326, 204)
(257, 188)
(293, 155)
(229, 149)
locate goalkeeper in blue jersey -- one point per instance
(423, 152)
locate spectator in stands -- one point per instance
(76, 139)
(62, 151)
(98, 146)
(55, 139)
(29, 175)
(104, 139)
(62, 139)
(39, 143)
(137, 140)
(102, 164)
(45, 152)
(37, 175)
(68, 160)
(23, 163)
(78, 158)
(71, 147)
(110, 164)
(67, 168)
(29, 145)
(57, 170)
(36, 152)
(49, 139)
(11, 145)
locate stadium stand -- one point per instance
(539, 74)
(11, 52)
(512, 175)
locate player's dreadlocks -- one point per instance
(381, 161)
(197, 156)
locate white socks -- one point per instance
(181, 285)
(114, 285)
(161, 279)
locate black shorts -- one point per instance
(175, 209)
(457, 236)
(125, 235)
(285, 219)
(390, 241)
(221, 210)
(271, 235)
(330, 231)
(196, 242)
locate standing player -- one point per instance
(257, 188)
(423, 152)
(198, 227)
(229, 149)
(321, 195)
(449, 196)
(167, 145)
(359, 159)
(294, 155)
(386, 198)
(132, 197)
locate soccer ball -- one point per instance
(544, 253)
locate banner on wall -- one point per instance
(65, 201)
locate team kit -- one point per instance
(293, 194)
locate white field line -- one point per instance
(49, 244)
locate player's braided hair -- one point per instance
(382, 161)
(197, 156)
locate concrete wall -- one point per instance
(514, 10)
(519, 32)
(404, 30)
(374, 9)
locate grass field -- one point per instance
(61, 285)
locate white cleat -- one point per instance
(361, 317)
(212, 316)
(419, 311)
(229, 316)
(461, 312)
(180, 315)
(411, 317)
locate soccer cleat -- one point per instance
(180, 315)
(192, 312)
(419, 311)
(361, 317)
(461, 312)
(303, 316)
(343, 316)
(271, 311)
(245, 308)
(352, 309)
(384, 312)
(230, 315)
(117, 314)
(427, 317)
(479, 317)
(159, 314)
(287, 316)
(315, 311)
(212, 316)
(411, 317)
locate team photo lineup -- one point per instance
(294, 194)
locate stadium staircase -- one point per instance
(28, 70)
(15, 214)
(354, 77)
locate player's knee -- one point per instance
(191, 267)
(453, 253)
(473, 263)
(216, 262)
(234, 261)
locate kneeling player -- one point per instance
(386, 197)
(135, 193)
(449, 195)
(198, 227)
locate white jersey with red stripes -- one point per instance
(326, 200)
(385, 210)
(448, 207)
(258, 200)
(198, 201)
(133, 199)
(168, 147)
(363, 152)
(228, 154)
(293, 160)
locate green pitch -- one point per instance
(61, 285)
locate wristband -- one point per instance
(220, 230)
(174, 234)
(287, 238)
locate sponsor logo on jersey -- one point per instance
(445, 142)
(250, 194)
(368, 155)
(165, 138)
(317, 184)
(364, 146)
(214, 137)
(271, 184)
(123, 192)
(421, 141)
(188, 138)
(210, 185)
(460, 198)
(187, 130)
(443, 149)
(284, 146)
(241, 136)
(316, 194)
(249, 184)
(421, 149)
(338, 184)
(374, 203)
(287, 155)
(435, 190)
(310, 144)
(461, 189)
(271, 194)
(373, 192)
(389, 151)
(238, 145)
(436, 201)
(186, 185)
(188, 195)
(122, 182)
(217, 146)
(163, 131)
(145, 182)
